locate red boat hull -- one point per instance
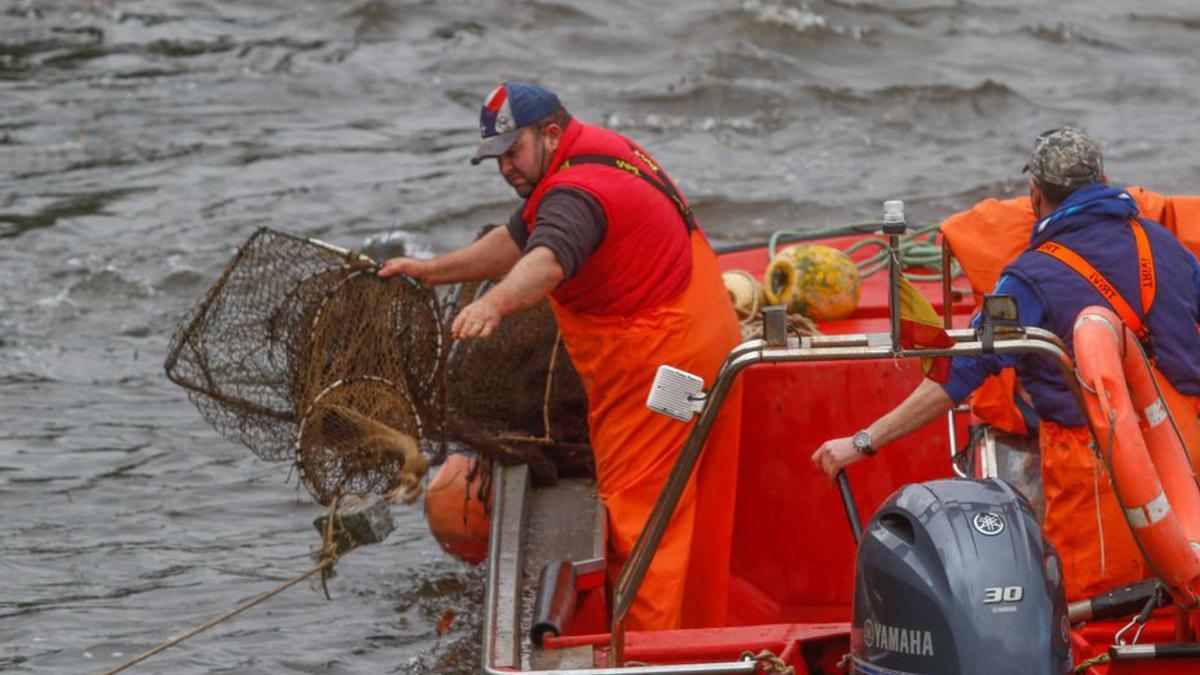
(792, 567)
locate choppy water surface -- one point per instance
(141, 142)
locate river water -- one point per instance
(141, 142)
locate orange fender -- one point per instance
(458, 519)
(1143, 450)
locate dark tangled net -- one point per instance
(300, 352)
(516, 397)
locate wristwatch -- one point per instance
(862, 443)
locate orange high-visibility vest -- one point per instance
(991, 234)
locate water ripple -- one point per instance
(63, 207)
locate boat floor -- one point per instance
(552, 534)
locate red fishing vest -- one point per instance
(645, 257)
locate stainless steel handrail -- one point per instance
(813, 348)
(643, 551)
(857, 347)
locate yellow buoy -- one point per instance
(745, 292)
(818, 281)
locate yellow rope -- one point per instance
(523, 438)
(224, 617)
(549, 384)
(328, 557)
(545, 439)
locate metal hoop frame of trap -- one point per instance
(282, 347)
(430, 298)
(425, 386)
(251, 352)
(399, 389)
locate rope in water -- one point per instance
(220, 619)
(328, 557)
(918, 248)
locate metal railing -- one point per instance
(778, 348)
(809, 349)
(784, 349)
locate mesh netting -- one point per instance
(361, 435)
(512, 401)
(516, 396)
(301, 353)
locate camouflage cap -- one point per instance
(1067, 158)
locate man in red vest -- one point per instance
(605, 234)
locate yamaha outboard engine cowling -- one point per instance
(953, 576)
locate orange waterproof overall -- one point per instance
(635, 448)
(1083, 517)
(1088, 543)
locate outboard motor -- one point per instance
(953, 576)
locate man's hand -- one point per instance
(477, 320)
(489, 257)
(836, 454)
(928, 401)
(417, 269)
(530, 281)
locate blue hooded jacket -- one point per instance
(1094, 222)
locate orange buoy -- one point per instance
(458, 519)
(1145, 455)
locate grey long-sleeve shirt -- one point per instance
(569, 222)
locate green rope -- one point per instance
(820, 233)
(918, 248)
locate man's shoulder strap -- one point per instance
(651, 173)
(1147, 280)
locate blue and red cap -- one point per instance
(506, 111)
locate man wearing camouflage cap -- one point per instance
(1080, 219)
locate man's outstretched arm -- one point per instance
(488, 257)
(930, 399)
(531, 279)
(923, 405)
